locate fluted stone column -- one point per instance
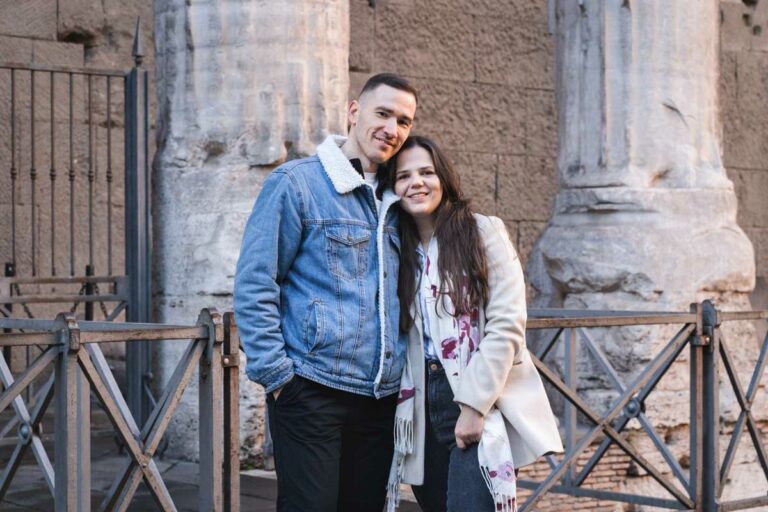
(645, 216)
(242, 86)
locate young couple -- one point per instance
(386, 322)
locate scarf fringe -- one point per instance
(403, 435)
(403, 447)
(393, 484)
(503, 502)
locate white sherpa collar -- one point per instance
(337, 166)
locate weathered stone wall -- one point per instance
(485, 71)
(744, 104)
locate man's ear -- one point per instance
(353, 112)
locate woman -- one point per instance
(471, 407)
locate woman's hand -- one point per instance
(469, 426)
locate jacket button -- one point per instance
(388, 354)
(433, 366)
(349, 237)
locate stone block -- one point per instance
(425, 43)
(729, 89)
(472, 117)
(362, 36)
(526, 187)
(81, 20)
(57, 54)
(30, 18)
(514, 53)
(752, 191)
(753, 77)
(540, 122)
(745, 116)
(528, 10)
(478, 178)
(15, 49)
(736, 27)
(356, 81)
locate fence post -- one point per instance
(10, 271)
(705, 405)
(211, 413)
(89, 289)
(72, 463)
(231, 363)
(137, 228)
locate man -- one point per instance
(316, 305)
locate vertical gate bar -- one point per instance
(71, 442)
(91, 173)
(231, 480)
(71, 180)
(10, 271)
(697, 412)
(137, 227)
(53, 176)
(89, 289)
(14, 170)
(711, 407)
(570, 409)
(32, 170)
(210, 391)
(109, 175)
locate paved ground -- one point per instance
(29, 492)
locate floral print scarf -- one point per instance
(455, 340)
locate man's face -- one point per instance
(381, 121)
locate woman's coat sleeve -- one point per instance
(503, 340)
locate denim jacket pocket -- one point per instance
(347, 248)
(314, 325)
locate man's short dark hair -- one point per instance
(392, 80)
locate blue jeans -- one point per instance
(452, 478)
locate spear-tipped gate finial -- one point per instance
(138, 48)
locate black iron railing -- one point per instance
(73, 367)
(701, 332)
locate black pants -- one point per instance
(333, 449)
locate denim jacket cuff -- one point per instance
(279, 376)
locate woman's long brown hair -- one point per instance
(462, 264)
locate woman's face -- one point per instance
(417, 184)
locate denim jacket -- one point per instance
(316, 284)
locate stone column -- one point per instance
(242, 86)
(645, 216)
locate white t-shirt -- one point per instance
(371, 181)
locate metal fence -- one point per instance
(699, 342)
(70, 354)
(701, 331)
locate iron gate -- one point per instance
(69, 165)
